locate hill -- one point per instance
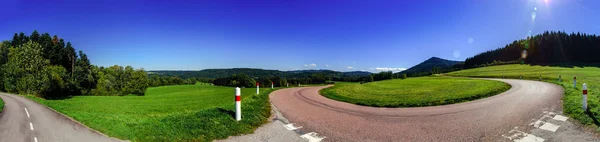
(428, 65)
(256, 73)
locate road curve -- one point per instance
(40, 123)
(479, 120)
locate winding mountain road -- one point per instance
(23, 120)
(512, 115)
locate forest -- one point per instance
(549, 48)
(48, 66)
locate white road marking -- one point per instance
(530, 138)
(549, 127)
(291, 127)
(519, 136)
(560, 118)
(31, 126)
(35, 139)
(26, 112)
(537, 123)
(312, 137)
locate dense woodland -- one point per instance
(50, 67)
(548, 48)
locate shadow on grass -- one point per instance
(589, 113)
(228, 112)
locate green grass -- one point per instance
(1, 105)
(573, 96)
(414, 92)
(169, 113)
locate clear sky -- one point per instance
(343, 35)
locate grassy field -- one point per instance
(169, 113)
(573, 96)
(1, 104)
(413, 92)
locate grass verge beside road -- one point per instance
(572, 100)
(169, 113)
(1, 105)
(415, 92)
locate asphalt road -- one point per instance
(503, 117)
(40, 124)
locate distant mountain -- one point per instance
(428, 64)
(218, 73)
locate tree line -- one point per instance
(548, 48)
(49, 67)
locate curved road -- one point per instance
(485, 119)
(23, 120)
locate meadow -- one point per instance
(415, 92)
(572, 99)
(169, 113)
(1, 104)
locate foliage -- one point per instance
(547, 48)
(49, 67)
(414, 92)
(572, 98)
(169, 113)
(294, 77)
(240, 80)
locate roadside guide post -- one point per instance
(584, 96)
(257, 87)
(559, 78)
(271, 84)
(238, 104)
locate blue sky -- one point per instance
(290, 35)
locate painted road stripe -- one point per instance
(31, 126)
(530, 138)
(560, 118)
(519, 136)
(291, 127)
(549, 127)
(312, 137)
(537, 123)
(26, 112)
(35, 139)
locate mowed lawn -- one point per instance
(169, 113)
(572, 101)
(414, 92)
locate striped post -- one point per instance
(257, 88)
(574, 81)
(559, 78)
(238, 104)
(584, 88)
(271, 84)
(287, 84)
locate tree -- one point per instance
(24, 70)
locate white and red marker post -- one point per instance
(271, 84)
(238, 104)
(257, 88)
(584, 88)
(287, 84)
